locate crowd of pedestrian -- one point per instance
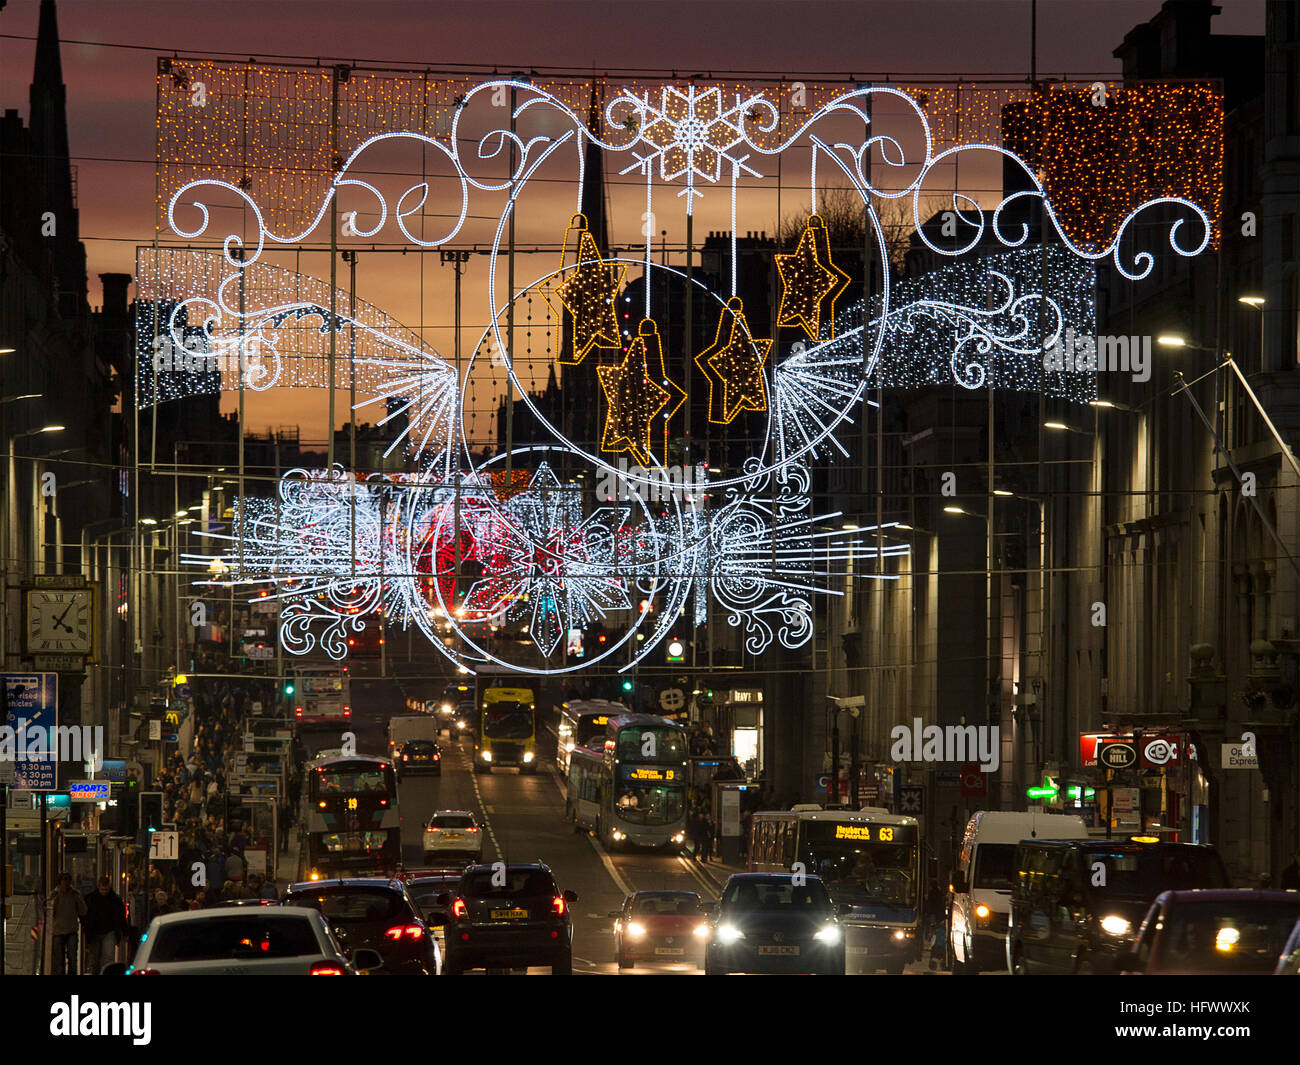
(195, 798)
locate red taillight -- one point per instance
(558, 906)
(458, 910)
(145, 972)
(383, 802)
(411, 931)
(437, 758)
(406, 758)
(471, 829)
(394, 933)
(327, 969)
(414, 931)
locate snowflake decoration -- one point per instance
(691, 135)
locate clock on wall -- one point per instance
(60, 621)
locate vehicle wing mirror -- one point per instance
(366, 960)
(570, 896)
(114, 968)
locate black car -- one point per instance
(419, 756)
(376, 913)
(1076, 904)
(775, 923)
(425, 890)
(508, 917)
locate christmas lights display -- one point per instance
(495, 555)
(587, 293)
(810, 282)
(734, 367)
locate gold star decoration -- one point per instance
(809, 279)
(735, 365)
(641, 399)
(587, 293)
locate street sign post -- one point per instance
(32, 702)
(164, 846)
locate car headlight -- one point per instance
(680, 837)
(829, 934)
(701, 930)
(487, 756)
(618, 835)
(982, 912)
(900, 934)
(729, 933)
(635, 929)
(528, 756)
(1115, 925)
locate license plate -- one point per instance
(451, 835)
(779, 950)
(859, 950)
(669, 950)
(508, 915)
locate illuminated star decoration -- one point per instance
(588, 294)
(736, 366)
(809, 279)
(636, 395)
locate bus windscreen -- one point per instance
(508, 721)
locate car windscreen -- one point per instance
(995, 866)
(685, 905)
(352, 905)
(776, 896)
(508, 884)
(254, 936)
(1245, 937)
(451, 821)
(508, 721)
(1146, 872)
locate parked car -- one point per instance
(1214, 932)
(244, 941)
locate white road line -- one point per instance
(610, 867)
(487, 821)
(710, 889)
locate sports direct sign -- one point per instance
(1146, 750)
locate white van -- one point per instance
(983, 879)
(410, 727)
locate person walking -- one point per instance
(104, 924)
(66, 910)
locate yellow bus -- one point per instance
(506, 730)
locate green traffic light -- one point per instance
(627, 685)
(288, 689)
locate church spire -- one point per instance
(593, 178)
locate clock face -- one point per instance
(59, 621)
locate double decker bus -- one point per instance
(633, 791)
(319, 695)
(506, 730)
(352, 823)
(869, 859)
(582, 724)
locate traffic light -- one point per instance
(676, 651)
(128, 807)
(151, 813)
(627, 685)
(288, 688)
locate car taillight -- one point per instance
(458, 909)
(383, 802)
(437, 758)
(395, 933)
(471, 830)
(406, 758)
(145, 972)
(411, 931)
(558, 906)
(327, 969)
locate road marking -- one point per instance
(610, 867)
(487, 822)
(710, 889)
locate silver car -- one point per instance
(247, 941)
